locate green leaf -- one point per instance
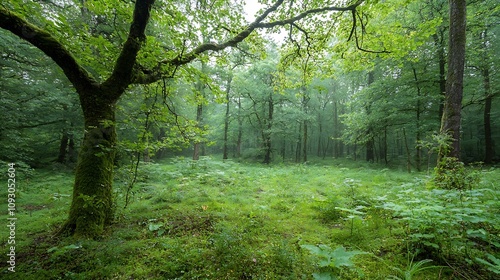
(154, 227)
(324, 276)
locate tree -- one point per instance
(92, 206)
(451, 119)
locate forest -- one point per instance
(262, 139)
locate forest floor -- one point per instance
(227, 220)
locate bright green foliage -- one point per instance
(331, 261)
(443, 224)
(493, 264)
(226, 220)
(36, 105)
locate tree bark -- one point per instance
(450, 122)
(92, 206)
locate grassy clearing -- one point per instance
(227, 220)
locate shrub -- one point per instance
(451, 174)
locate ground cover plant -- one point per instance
(212, 219)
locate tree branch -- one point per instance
(35, 125)
(124, 70)
(181, 60)
(309, 12)
(155, 74)
(44, 41)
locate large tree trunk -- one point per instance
(450, 122)
(92, 206)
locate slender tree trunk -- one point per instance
(240, 130)
(72, 153)
(418, 153)
(488, 140)
(320, 138)
(200, 99)
(370, 149)
(305, 136)
(450, 122)
(304, 147)
(267, 134)
(336, 130)
(370, 144)
(298, 148)
(63, 147)
(408, 155)
(226, 117)
(92, 207)
(283, 149)
(197, 143)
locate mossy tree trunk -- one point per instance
(92, 206)
(451, 119)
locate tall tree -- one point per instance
(92, 205)
(451, 119)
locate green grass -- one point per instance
(227, 220)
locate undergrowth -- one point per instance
(213, 219)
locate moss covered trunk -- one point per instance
(92, 206)
(451, 119)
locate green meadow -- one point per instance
(213, 219)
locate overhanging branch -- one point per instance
(44, 41)
(122, 75)
(182, 59)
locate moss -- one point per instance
(92, 206)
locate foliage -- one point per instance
(444, 224)
(331, 261)
(450, 173)
(223, 219)
(412, 269)
(492, 265)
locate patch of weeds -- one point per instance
(445, 224)
(412, 269)
(185, 223)
(232, 253)
(451, 174)
(333, 264)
